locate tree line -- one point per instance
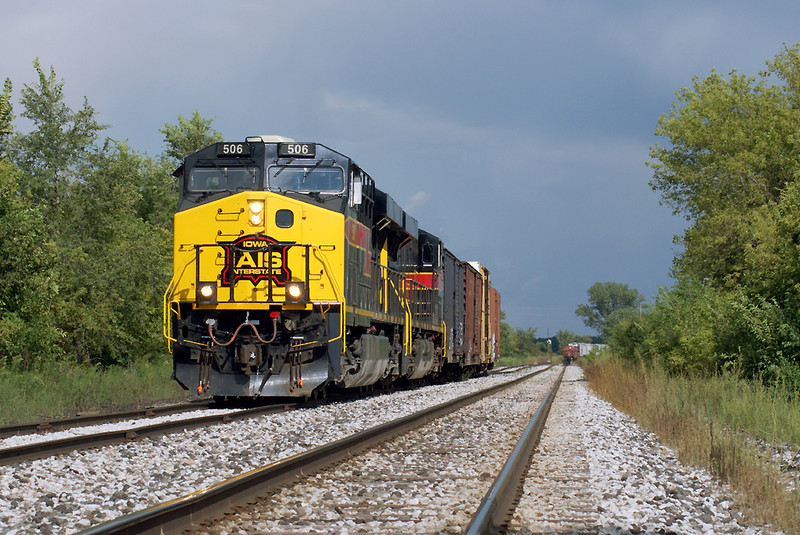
(729, 163)
(86, 235)
(85, 231)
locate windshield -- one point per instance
(323, 179)
(223, 178)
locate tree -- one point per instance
(609, 303)
(28, 287)
(732, 142)
(730, 166)
(49, 157)
(188, 136)
(6, 117)
(732, 148)
(117, 266)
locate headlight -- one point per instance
(207, 292)
(295, 292)
(256, 209)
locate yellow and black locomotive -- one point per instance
(293, 273)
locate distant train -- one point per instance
(571, 353)
(293, 274)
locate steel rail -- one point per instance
(497, 506)
(177, 515)
(92, 419)
(48, 448)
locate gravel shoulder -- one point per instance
(597, 471)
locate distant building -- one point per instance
(585, 349)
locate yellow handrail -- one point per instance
(407, 313)
(166, 312)
(336, 290)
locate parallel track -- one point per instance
(43, 449)
(101, 418)
(40, 450)
(498, 505)
(177, 515)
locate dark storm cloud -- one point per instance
(517, 131)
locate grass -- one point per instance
(712, 422)
(533, 360)
(65, 389)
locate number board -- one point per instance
(233, 149)
(297, 150)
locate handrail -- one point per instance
(166, 323)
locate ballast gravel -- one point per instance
(617, 477)
(428, 480)
(69, 493)
(596, 471)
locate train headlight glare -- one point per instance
(256, 207)
(207, 292)
(295, 292)
(255, 219)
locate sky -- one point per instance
(517, 131)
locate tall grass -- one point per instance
(64, 389)
(713, 422)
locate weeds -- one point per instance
(715, 423)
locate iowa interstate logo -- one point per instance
(255, 258)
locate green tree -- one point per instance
(117, 266)
(733, 146)
(6, 117)
(158, 192)
(609, 303)
(28, 287)
(188, 136)
(507, 337)
(50, 156)
(730, 165)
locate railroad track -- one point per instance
(134, 431)
(39, 449)
(260, 484)
(48, 426)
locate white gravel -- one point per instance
(68, 493)
(597, 471)
(428, 480)
(593, 461)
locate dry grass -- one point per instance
(712, 423)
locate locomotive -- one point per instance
(293, 274)
(571, 353)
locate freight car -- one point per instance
(294, 273)
(570, 353)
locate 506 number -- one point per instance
(297, 150)
(233, 149)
